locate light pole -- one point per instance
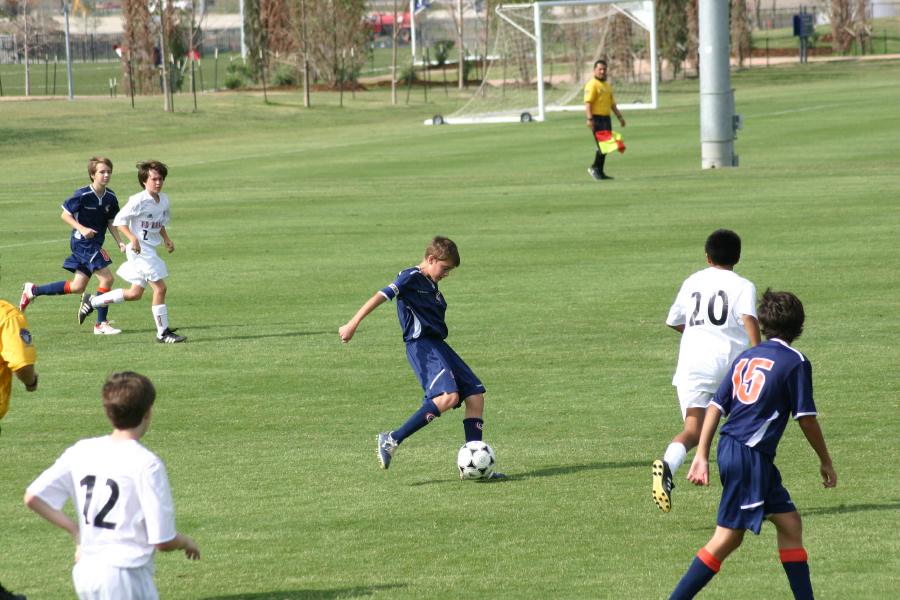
(68, 52)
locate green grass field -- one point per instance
(287, 219)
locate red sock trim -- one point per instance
(68, 288)
(709, 560)
(101, 290)
(793, 555)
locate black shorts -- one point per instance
(602, 123)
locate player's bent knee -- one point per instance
(445, 402)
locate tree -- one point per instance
(849, 23)
(693, 35)
(672, 32)
(139, 47)
(255, 34)
(740, 31)
(334, 30)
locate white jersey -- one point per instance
(122, 496)
(144, 216)
(709, 305)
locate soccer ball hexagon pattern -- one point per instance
(475, 460)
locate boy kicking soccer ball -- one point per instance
(447, 380)
(143, 221)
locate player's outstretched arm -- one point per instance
(699, 472)
(181, 542)
(346, 331)
(57, 517)
(810, 426)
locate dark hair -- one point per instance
(780, 315)
(443, 248)
(144, 168)
(127, 397)
(723, 247)
(600, 62)
(95, 162)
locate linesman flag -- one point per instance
(609, 141)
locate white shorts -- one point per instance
(690, 397)
(141, 268)
(98, 581)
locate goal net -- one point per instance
(543, 54)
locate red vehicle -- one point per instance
(382, 24)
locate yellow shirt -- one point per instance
(16, 349)
(600, 95)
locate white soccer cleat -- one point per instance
(105, 328)
(27, 296)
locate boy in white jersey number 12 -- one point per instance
(122, 496)
(715, 312)
(143, 221)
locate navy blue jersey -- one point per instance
(420, 305)
(93, 212)
(765, 384)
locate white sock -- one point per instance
(674, 456)
(116, 296)
(160, 317)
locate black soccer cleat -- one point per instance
(85, 308)
(170, 337)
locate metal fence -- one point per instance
(96, 47)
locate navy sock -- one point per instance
(51, 289)
(102, 311)
(422, 417)
(702, 570)
(796, 567)
(473, 428)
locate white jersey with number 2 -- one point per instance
(144, 216)
(709, 305)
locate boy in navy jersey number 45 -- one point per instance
(446, 378)
(89, 212)
(766, 385)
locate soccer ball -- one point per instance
(475, 461)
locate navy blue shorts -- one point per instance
(440, 370)
(751, 487)
(86, 258)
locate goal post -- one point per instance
(543, 54)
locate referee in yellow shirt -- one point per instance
(599, 101)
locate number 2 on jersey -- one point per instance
(710, 309)
(88, 482)
(747, 385)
